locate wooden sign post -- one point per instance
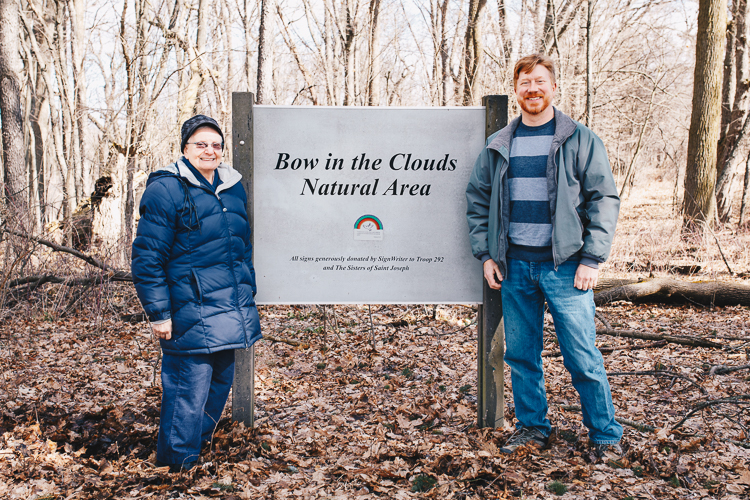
(490, 332)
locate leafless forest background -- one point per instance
(103, 86)
(353, 400)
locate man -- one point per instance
(542, 210)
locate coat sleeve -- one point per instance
(151, 249)
(601, 201)
(478, 205)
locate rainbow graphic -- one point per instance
(368, 218)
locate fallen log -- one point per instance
(672, 291)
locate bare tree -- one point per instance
(734, 110)
(373, 74)
(14, 168)
(265, 45)
(700, 177)
(473, 51)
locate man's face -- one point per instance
(535, 90)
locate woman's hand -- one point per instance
(163, 330)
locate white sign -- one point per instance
(364, 204)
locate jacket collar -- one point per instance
(564, 128)
(229, 176)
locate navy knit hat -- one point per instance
(196, 122)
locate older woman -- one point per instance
(194, 275)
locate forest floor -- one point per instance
(383, 411)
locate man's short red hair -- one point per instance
(528, 63)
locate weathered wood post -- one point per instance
(490, 332)
(243, 392)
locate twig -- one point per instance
(648, 492)
(660, 373)
(604, 321)
(625, 421)
(90, 259)
(732, 400)
(723, 370)
(721, 252)
(604, 350)
(690, 341)
(295, 343)
(372, 329)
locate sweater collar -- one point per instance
(564, 128)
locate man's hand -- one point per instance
(586, 277)
(492, 274)
(163, 330)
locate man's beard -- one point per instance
(538, 107)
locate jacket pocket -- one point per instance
(583, 216)
(198, 294)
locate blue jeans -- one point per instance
(525, 288)
(195, 390)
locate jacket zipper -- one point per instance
(231, 262)
(234, 276)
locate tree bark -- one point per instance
(700, 176)
(473, 51)
(728, 82)
(197, 71)
(373, 78)
(347, 39)
(265, 42)
(589, 89)
(672, 291)
(507, 44)
(737, 125)
(14, 169)
(745, 189)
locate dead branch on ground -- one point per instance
(605, 350)
(737, 400)
(723, 370)
(672, 291)
(660, 373)
(672, 339)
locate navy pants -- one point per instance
(195, 390)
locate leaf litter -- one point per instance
(387, 409)
(337, 419)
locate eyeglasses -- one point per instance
(217, 146)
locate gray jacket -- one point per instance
(584, 204)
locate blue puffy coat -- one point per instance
(191, 261)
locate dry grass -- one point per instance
(649, 240)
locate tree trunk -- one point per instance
(736, 127)
(348, 49)
(728, 82)
(507, 44)
(265, 42)
(14, 169)
(373, 80)
(589, 89)
(445, 62)
(745, 190)
(473, 51)
(247, 28)
(197, 72)
(77, 10)
(672, 291)
(700, 176)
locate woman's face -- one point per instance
(200, 152)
